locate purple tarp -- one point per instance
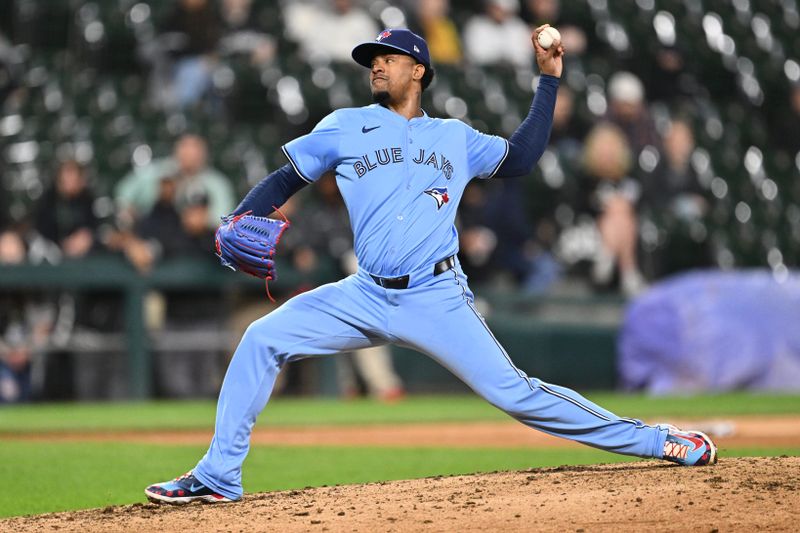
(713, 331)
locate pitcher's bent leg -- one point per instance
(296, 329)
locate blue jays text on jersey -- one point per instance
(384, 156)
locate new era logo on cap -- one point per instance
(393, 40)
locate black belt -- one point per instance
(402, 282)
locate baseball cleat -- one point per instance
(689, 448)
(183, 489)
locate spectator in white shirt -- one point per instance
(498, 36)
(342, 23)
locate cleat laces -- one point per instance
(676, 450)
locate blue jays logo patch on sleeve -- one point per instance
(439, 194)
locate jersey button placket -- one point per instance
(410, 142)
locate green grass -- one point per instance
(302, 412)
(84, 475)
(75, 475)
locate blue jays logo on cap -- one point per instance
(439, 194)
(392, 41)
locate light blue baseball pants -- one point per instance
(436, 317)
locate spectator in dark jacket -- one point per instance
(65, 213)
(190, 35)
(169, 230)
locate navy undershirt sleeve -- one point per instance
(528, 143)
(271, 192)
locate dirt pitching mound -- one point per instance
(735, 495)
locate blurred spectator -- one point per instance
(538, 12)
(138, 191)
(26, 320)
(569, 129)
(677, 188)
(65, 214)
(321, 230)
(627, 108)
(667, 77)
(247, 53)
(433, 22)
(496, 242)
(67, 224)
(12, 245)
(677, 204)
(169, 230)
(612, 196)
(25, 327)
(8, 77)
(190, 35)
(374, 367)
(498, 36)
(476, 241)
(343, 24)
(242, 34)
(521, 252)
(173, 232)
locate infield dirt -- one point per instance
(737, 494)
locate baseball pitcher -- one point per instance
(402, 174)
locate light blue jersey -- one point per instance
(402, 181)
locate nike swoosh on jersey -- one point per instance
(365, 129)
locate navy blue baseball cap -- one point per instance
(392, 41)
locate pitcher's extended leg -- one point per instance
(445, 325)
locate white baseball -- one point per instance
(547, 36)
